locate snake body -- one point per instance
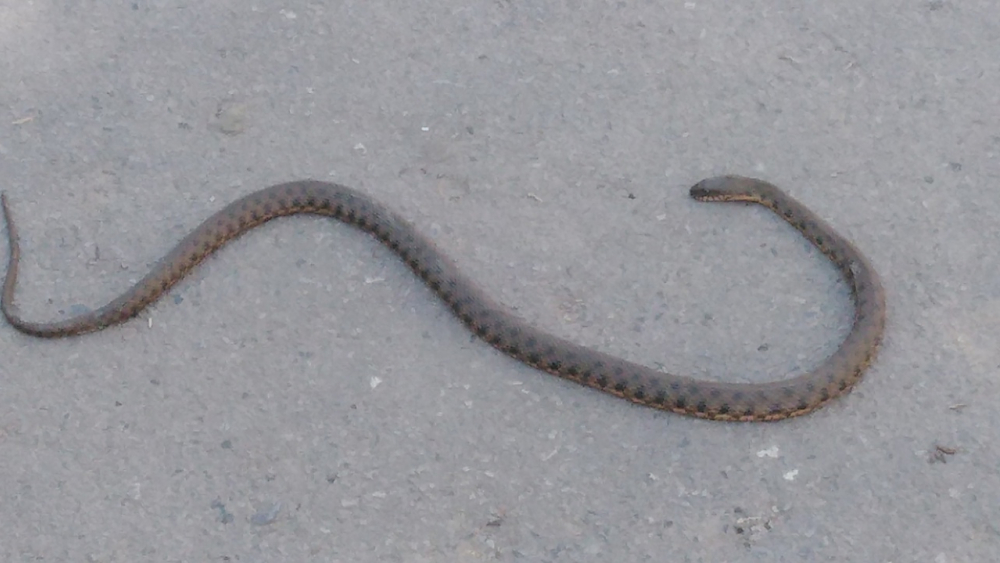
(508, 333)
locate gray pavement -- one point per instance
(302, 397)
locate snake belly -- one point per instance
(494, 323)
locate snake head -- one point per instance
(731, 188)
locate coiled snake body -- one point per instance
(508, 333)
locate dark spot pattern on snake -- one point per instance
(496, 325)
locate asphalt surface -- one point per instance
(302, 397)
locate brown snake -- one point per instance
(493, 323)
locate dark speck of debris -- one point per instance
(227, 444)
(224, 516)
(496, 519)
(939, 452)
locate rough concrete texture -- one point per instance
(302, 397)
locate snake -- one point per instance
(496, 324)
